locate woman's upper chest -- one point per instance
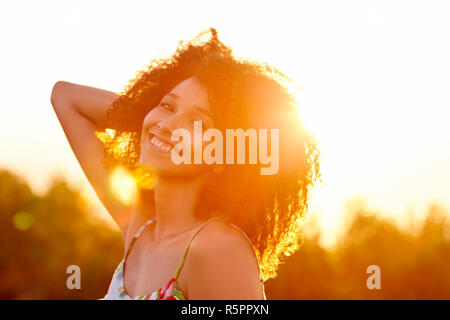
(150, 267)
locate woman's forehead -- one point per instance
(190, 93)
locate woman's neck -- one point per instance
(175, 204)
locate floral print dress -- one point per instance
(170, 291)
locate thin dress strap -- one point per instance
(180, 265)
(138, 234)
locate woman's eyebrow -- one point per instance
(173, 95)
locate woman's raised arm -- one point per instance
(79, 109)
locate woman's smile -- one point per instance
(158, 144)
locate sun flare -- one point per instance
(123, 185)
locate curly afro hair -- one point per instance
(242, 94)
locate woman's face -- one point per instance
(185, 103)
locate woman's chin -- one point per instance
(168, 169)
(155, 165)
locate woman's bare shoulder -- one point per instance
(219, 233)
(222, 264)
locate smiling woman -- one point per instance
(199, 230)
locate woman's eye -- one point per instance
(166, 106)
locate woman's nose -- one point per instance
(162, 126)
(168, 125)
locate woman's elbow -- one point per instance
(57, 91)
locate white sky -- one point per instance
(375, 78)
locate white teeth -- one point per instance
(159, 144)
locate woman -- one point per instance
(196, 231)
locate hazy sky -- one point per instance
(375, 78)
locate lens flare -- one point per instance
(23, 220)
(123, 185)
